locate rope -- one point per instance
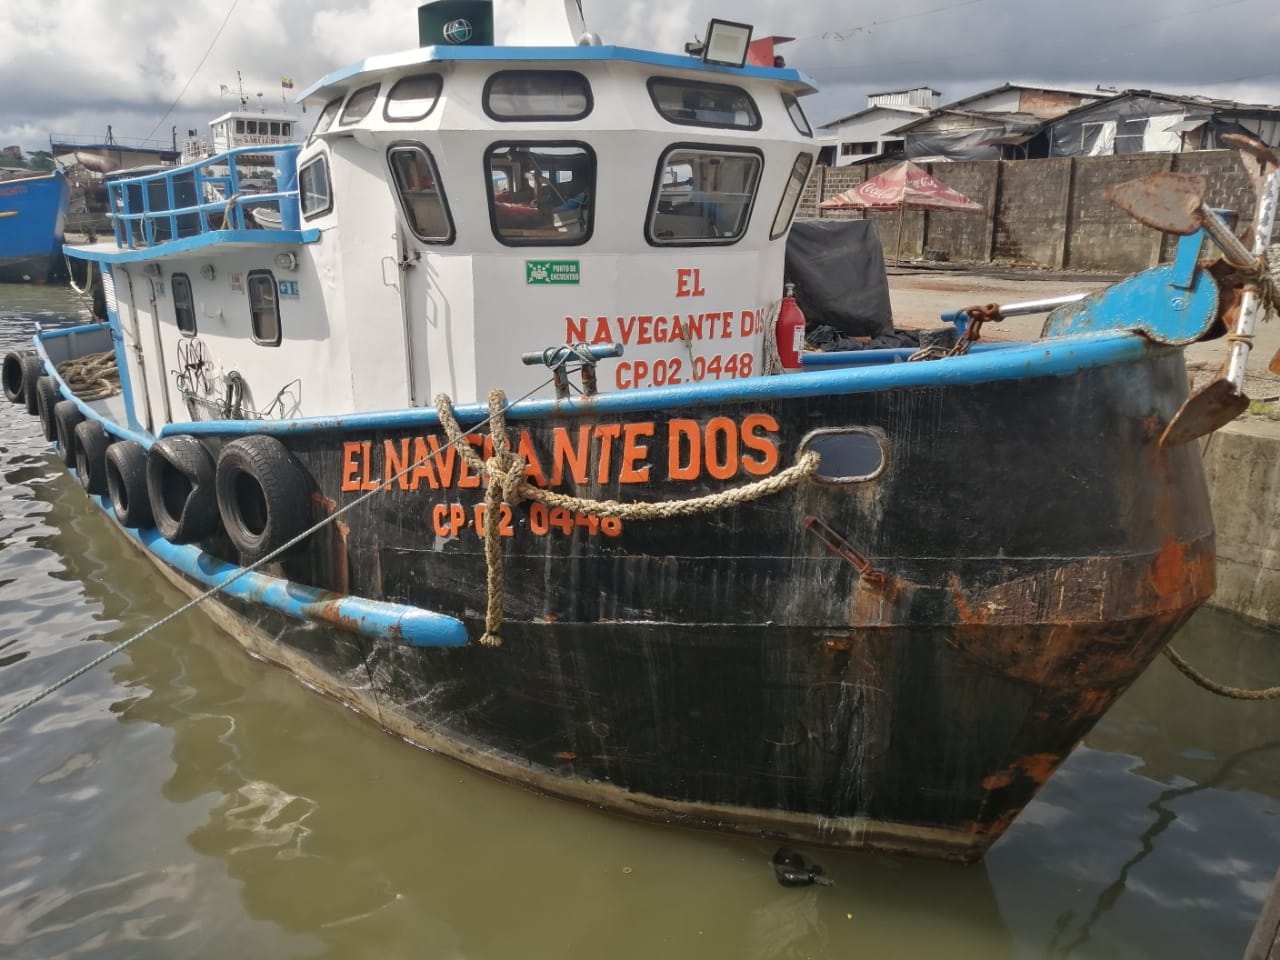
(229, 209)
(218, 588)
(508, 483)
(1221, 689)
(92, 376)
(772, 361)
(81, 292)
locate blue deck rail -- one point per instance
(210, 195)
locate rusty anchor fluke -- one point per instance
(1174, 203)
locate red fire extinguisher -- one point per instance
(790, 332)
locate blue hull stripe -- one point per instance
(371, 618)
(1022, 361)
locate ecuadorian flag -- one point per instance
(286, 82)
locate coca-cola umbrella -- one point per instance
(901, 187)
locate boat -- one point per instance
(506, 438)
(33, 213)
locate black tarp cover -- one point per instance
(838, 269)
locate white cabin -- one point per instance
(455, 208)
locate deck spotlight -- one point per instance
(207, 271)
(287, 260)
(727, 43)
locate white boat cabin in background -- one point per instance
(456, 207)
(241, 128)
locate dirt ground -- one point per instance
(920, 297)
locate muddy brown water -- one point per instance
(186, 801)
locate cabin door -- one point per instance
(425, 271)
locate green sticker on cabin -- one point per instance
(552, 271)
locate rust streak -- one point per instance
(1169, 569)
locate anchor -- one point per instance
(1174, 203)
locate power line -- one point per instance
(231, 10)
(853, 31)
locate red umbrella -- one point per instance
(900, 187)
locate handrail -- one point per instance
(155, 208)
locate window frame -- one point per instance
(652, 210)
(534, 145)
(413, 145)
(796, 112)
(275, 300)
(344, 120)
(183, 304)
(390, 98)
(323, 161)
(775, 231)
(486, 95)
(328, 112)
(702, 84)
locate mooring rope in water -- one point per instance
(509, 483)
(1221, 689)
(214, 590)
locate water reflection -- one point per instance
(188, 801)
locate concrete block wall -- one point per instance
(1043, 213)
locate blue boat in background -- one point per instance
(33, 212)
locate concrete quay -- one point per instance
(1242, 460)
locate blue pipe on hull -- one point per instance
(371, 618)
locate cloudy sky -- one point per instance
(73, 67)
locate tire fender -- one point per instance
(180, 478)
(12, 377)
(32, 371)
(66, 417)
(90, 444)
(48, 396)
(126, 470)
(263, 495)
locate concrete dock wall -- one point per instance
(1242, 464)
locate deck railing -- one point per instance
(205, 197)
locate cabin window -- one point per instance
(703, 195)
(412, 98)
(421, 198)
(704, 104)
(537, 95)
(264, 308)
(359, 104)
(797, 114)
(791, 195)
(848, 456)
(325, 120)
(286, 129)
(184, 307)
(313, 188)
(541, 193)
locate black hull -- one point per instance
(898, 664)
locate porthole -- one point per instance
(853, 455)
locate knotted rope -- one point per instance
(1221, 689)
(508, 482)
(92, 376)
